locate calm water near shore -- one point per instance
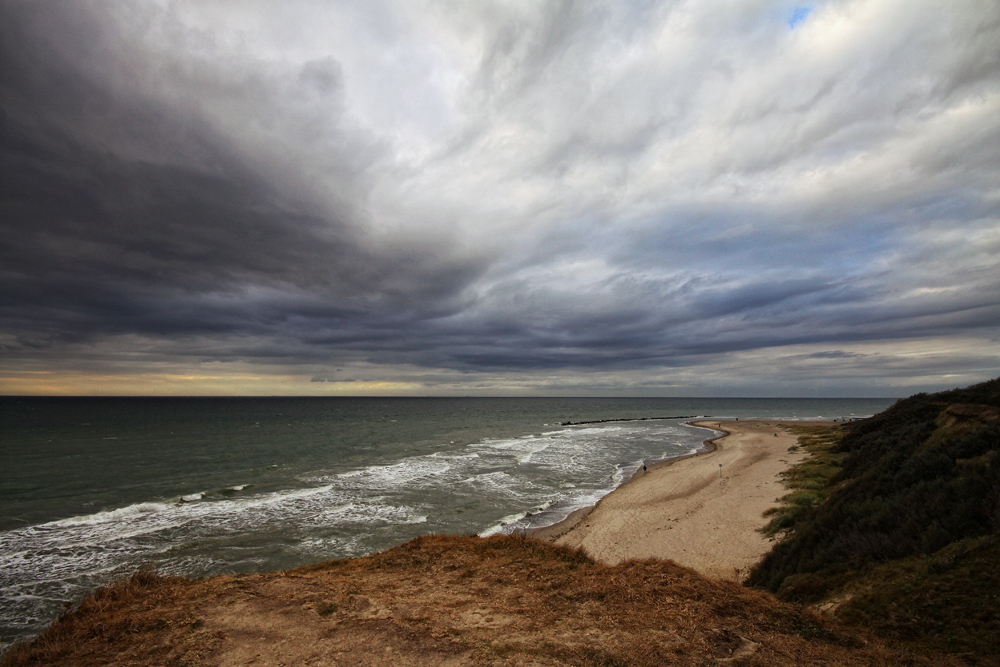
(95, 487)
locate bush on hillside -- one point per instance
(919, 476)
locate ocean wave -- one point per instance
(526, 457)
(503, 525)
(108, 516)
(454, 457)
(394, 475)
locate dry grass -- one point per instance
(111, 618)
(451, 600)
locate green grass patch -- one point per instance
(809, 481)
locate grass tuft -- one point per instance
(809, 480)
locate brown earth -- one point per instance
(451, 601)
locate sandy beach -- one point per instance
(702, 511)
(506, 600)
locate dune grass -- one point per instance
(809, 481)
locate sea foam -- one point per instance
(108, 516)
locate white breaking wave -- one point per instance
(108, 516)
(526, 457)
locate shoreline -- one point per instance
(553, 532)
(703, 510)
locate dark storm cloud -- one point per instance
(495, 188)
(123, 216)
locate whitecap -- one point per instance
(107, 516)
(526, 457)
(504, 525)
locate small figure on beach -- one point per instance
(644, 467)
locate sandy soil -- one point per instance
(693, 511)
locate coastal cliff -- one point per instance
(452, 601)
(886, 555)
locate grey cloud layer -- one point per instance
(496, 186)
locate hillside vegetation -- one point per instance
(895, 522)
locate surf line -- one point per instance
(632, 419)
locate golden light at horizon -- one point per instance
(51, 383)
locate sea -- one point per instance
(92, 489)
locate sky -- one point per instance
(443, 197)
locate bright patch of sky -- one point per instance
(798, 14)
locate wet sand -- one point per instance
(703, 511)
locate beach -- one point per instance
(450, 600)
(203, 486)
(702, 511)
